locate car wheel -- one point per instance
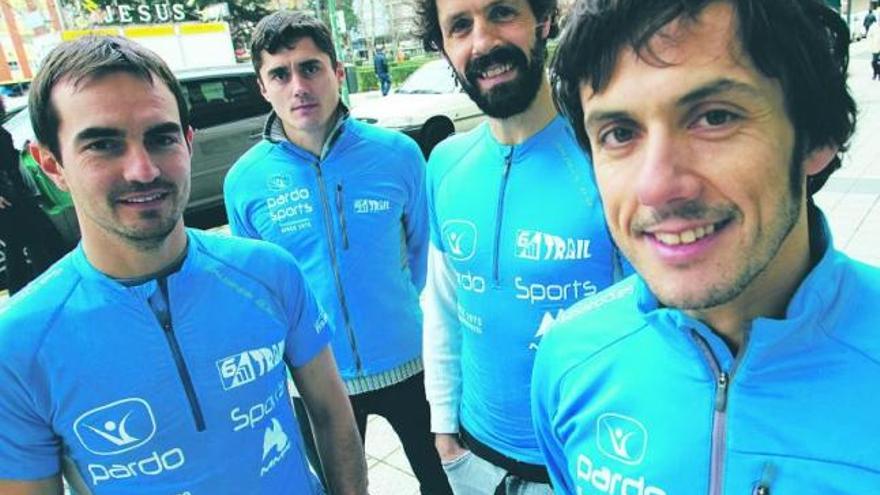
(435, 130)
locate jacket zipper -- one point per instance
(340, 210)
(328, 230)
(499, 216)
(719, 417)
(182, 370)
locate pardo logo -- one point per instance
(245, 367)
(461, 239)
(605, 480)
(276, 443)
(116, 427)
(622, 438)
(152, 465)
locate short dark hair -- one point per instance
(86, 59)
(428, 22)
(802, 43)
(283, 28)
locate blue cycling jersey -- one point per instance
(199, 407)
(634, 398)
(355, 219)
(523, 230)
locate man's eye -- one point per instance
(104, 146)
(616, 136)
(716, 118)
(164, 140)
(310, 70)
(278, 75)
(459, 26)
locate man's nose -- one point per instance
(666, 175)
(139, 166)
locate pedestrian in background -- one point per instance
(32, 243)
(874, 45)
(380, 65)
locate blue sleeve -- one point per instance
(236, 206)
(309, 330)
(545, 400)
(415, 220)
(431, 184)
(29, 449)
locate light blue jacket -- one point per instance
(355, 219)
(522, 231)
(630, 397)
(89, 375)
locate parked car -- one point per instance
(428, 106)
(227, 113)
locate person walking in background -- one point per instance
(874, 47)
(743, 357)
(32, 243)
(380, 65)
(347, 199)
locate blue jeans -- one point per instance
(385, 83)
(473, 475)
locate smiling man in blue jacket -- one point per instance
(347, 200)
(743, 357)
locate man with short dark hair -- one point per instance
(743, 357)
(347, 200)
(151, 359)
(517, 235)
(380, 66)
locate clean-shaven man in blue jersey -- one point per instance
(347, 200)
(517, 235)
(151, 359)
(743, 357)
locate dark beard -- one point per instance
(510, 98)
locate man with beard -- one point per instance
(744, 356)
(151, 359)
(517, 235)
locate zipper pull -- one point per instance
(763, 487)
(721, 391)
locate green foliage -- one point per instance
(367, 80)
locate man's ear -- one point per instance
(819, 158)
(340, 72)
(188, 135)
(49, 164)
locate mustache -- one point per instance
(689, 210)
(500, 55)
(137, 187)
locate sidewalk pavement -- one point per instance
(850, 199)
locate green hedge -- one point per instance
(367, 80)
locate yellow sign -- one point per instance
(79, 33)
(149, 31)
(208, 27)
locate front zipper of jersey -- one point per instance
(499, 217)
(182, 370)
(719, 417)
(340, 210)
(328, 230)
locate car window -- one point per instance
(222, 100)
(431, 78)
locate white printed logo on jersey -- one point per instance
(622, 438)
(460, 237)
(245, 367)
(541, 246)
(276, 444)
(116, 427)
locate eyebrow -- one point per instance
(91, 133)
(723, 85)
